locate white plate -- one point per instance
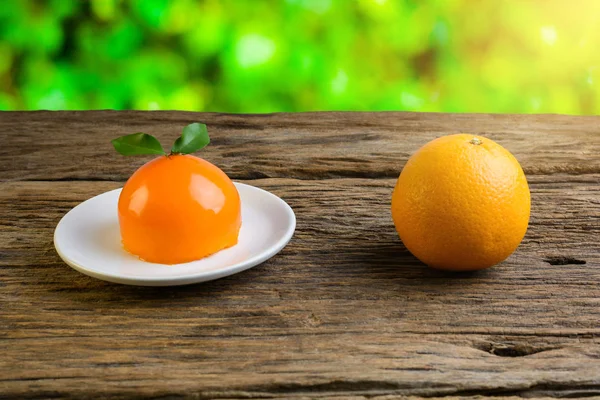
(88, 239)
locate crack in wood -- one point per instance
(563, 260)
(511, 349)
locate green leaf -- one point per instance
(138, 144)
(193, 138)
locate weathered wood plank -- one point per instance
(76, 145)
(344, 310)
(226, 368)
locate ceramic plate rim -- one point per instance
(186, 279)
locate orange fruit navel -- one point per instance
(461, 203)
(178, 209)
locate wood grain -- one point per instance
(76, 145)
(344, 311)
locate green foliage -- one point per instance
(138, 144)
(193, 138)
(301, 55)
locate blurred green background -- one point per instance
(520, 56)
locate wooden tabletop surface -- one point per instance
(344, 309)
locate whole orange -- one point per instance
(461, 203)
(178, 208)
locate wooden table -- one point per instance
(344, 309)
